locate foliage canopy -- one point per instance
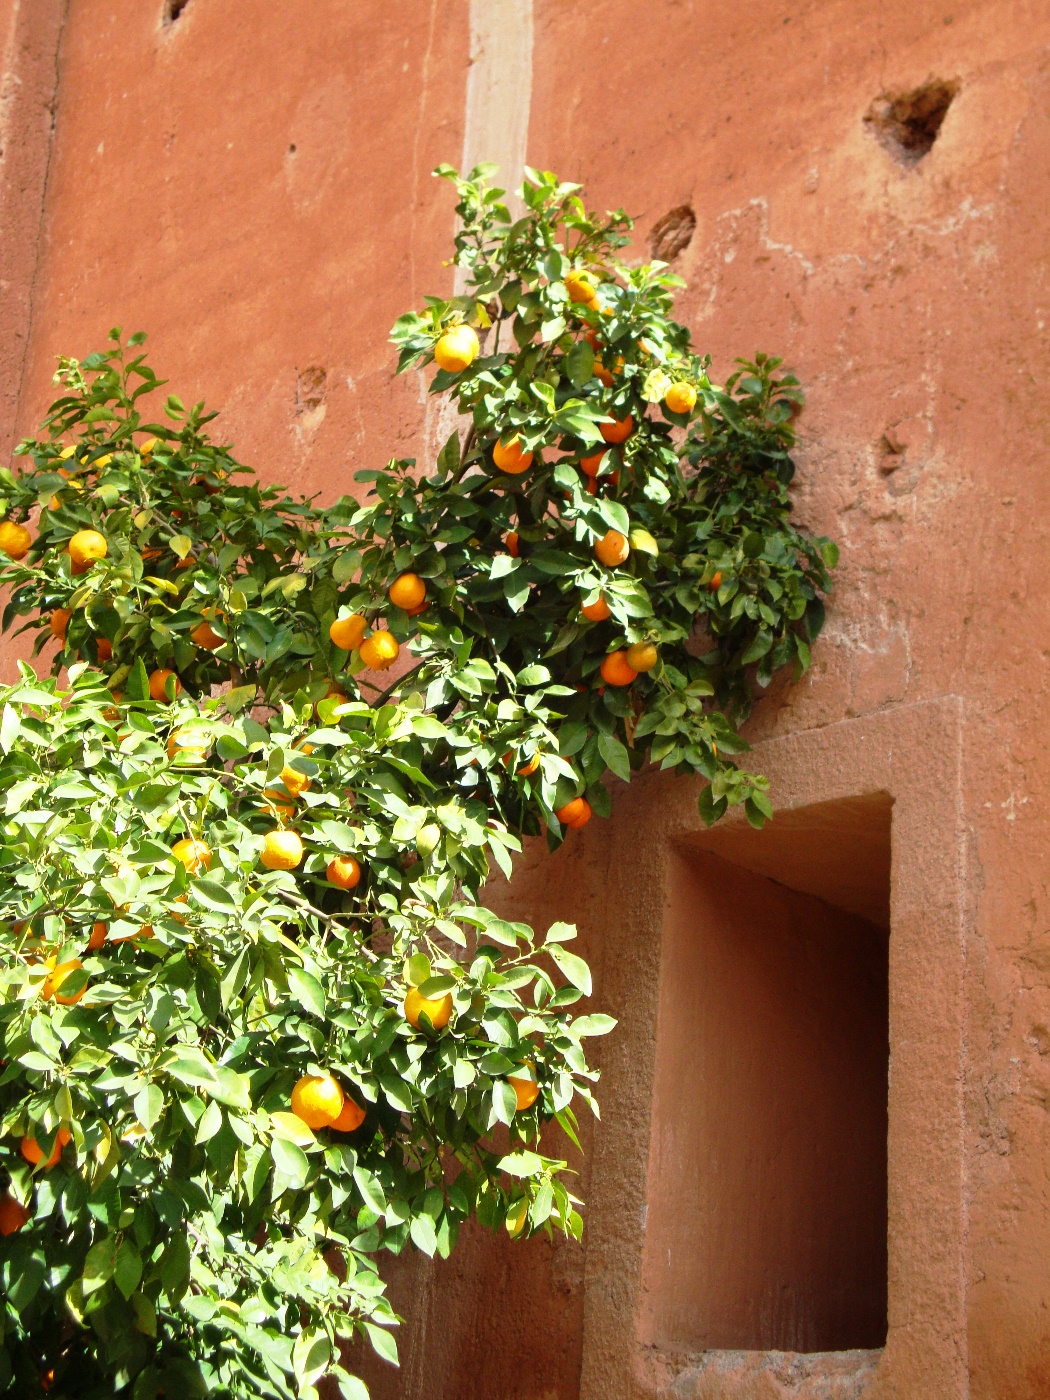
(195, 1235)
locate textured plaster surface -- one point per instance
(250, 185)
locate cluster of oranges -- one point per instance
(380, 650)
(320, 1101)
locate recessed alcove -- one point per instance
(766, 1213)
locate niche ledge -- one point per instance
(828, 1375)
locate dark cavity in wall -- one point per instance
(673, 233)
(173, 9)
(908, 123)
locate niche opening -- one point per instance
(767, 1191)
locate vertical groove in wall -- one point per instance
(28, 98)
(499, 90)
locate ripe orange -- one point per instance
(33, 1153)
(205, 636)
(602, 374)
(379, 651)
(590, 335)
(158, 682)
(596, 612)
(14, 540)
(407, 591)
(294, 781)
(612, 548)
(574, 814)
(716, 582)
(456, 349)
(344, 872)
(680, 398)
(87, 546)
(347, 632)
(643, 656)
(55, 979)
(59, 622)
(617, 670)
(527, 769)
(580, 286)
(590, 466)
(510, 458)
(13, 1215)
(98, 936)
(318, 1100)
(282, 850)
(526, 1091)
(104, 649)
(194, 855)
(188, 743)
(619, 430)
(350, 1118)
(148, 446)
(511, 541)
(439, 1009)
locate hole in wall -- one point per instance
(908, 123)
(311, 384)
(673, 233)
(767, 1193)
(173, 9)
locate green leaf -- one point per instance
(149, 1105)
(424, 1236)
(291, 1161)
(595, 1024)
(99, 1264)
(382, 1342)
(307, 991)
(615, 755)
(127, 1271)
(574, 968)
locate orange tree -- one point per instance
(258, 1024)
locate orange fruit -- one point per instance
(55, 979)
(590, 335)
(148, 446)
(205, 636)
(643, 656)
(98, 936)
(34, 1155)
(86, 547)
(379, 651)
(512, 543)
(347, 632)
(680, 398)
(318, 1100)
(407, 591)
(59, 622)
(619, 430)
(591, 465)
(456, 349)
(527, 769)
(350, 1118)
(344, 872)
(580, 286)
(333, 693)
(716, 583)
(13, 1215)
(612, 548)
(158, 682)
(294, 781)
(617, 670)
(439, 1009)
(194, 855)
(188, 743)
(574, 814)
(596, 612)
(14, 540)
(510, 458)
(526, 1091)
(104, 648)
(602, 374)
(282, 850)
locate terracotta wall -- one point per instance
(251, 186)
